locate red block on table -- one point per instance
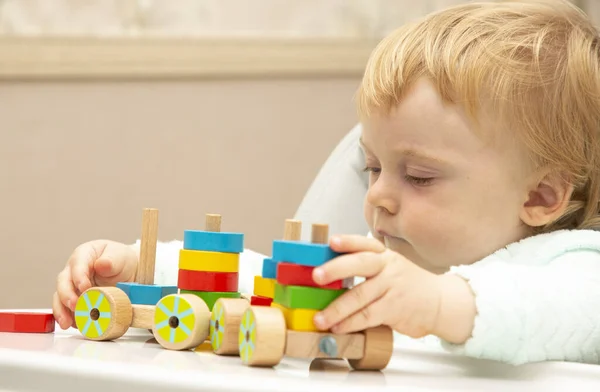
(26, 322)
(257, 300)
(208, 281)
(301, 275)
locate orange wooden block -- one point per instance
(208, 281)
(26, 322)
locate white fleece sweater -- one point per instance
(537, 300)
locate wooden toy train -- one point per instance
(206, 304)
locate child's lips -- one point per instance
(383, 233)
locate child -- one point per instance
(481, 140)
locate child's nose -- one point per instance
(382, 195)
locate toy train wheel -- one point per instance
(180, 321)
(262, 336)
(379, 347)
(103, 313)
(225, 324)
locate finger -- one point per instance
(363, 264)
(61, 313)
(355, 243)
(354, 300)
(109, 271)
(82, 278)
(66, 291)
(80, 263)
(370, 316)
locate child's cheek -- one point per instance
(369, 212)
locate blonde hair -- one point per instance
(536, 63)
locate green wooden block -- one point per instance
(303, 297)
(210, 297)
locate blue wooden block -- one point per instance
(269, 269)
(145, 294)
(213, 241)
(302, 252)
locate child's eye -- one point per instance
(418, 180)
(371, 169)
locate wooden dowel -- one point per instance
(213, 222)
(145, 267)
(292, 230)
(320, 233)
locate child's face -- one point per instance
(439, 194)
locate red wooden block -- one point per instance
(301, 275)
(257, 300)
(208, 281)
(29, 322)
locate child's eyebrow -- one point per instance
(412, 153)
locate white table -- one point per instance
(64, 361)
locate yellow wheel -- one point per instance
(103, 313)
(180, 321)
(262, 336)
(225, 324)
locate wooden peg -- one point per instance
(213, 222)
(292, 230)
(320, 233)
(145, 267)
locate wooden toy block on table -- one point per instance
(298, 302)
(178, 321)
(27, 322)
(209, 262)
(209, 270)
(286, 328)
(264, 285)
(301, 275)
(143, 294)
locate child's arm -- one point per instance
(530, 313)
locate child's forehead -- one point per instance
(423, 123)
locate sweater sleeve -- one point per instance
(166, 267)
(533, 313)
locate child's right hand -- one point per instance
(94, 263)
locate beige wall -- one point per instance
(93, 133)
(81, 159)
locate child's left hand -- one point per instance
(396, 292)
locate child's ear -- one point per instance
(547, 200)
